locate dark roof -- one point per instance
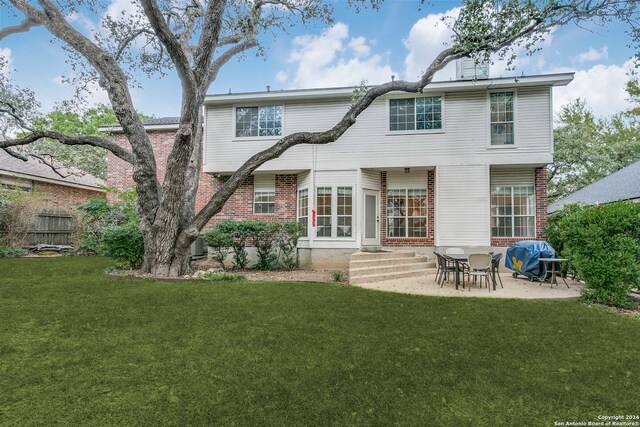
(621, 185)
(34, 169)
(162, 121)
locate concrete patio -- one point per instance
(513, 288)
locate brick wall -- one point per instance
(239, 205)
(408, 241)
(541, 212)
(63, 198)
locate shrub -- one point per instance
(18, 212)
(337, 275)
(124, 244)
(240, 232)
(287, 242)
(603, 245)
(97, 214)
(264, 235)
(12, 252)
(221, 243)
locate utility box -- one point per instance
(197, 248)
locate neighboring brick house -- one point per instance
(58, 194)
(462, 164)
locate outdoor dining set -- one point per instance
(476, 267)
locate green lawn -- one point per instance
(78, 348)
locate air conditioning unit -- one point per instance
(197, 248)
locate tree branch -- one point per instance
(24, 26)
(94, 141)
(217, 64)
(209, 37)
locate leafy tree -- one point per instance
(195, 39)
(588, 148)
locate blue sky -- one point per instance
(398, 39)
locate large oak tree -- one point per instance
(195, 38)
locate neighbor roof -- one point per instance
(33, 169)
(161, 123)
(621, 185)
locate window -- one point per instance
(264, 202)
(345, 205)
(407, 213)
(501, 118)
(513, 212)
(423, 113)
(323, 216)
(259, 121)
(303, 211)
(334, 219)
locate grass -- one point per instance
(79, 348)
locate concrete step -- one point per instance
(370, 278)
(361, 256)
(369, 263)
(382, 269)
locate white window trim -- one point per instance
(515, 116)
(390, 132)
(308, 211)
(264, 203)
(257, 138)
(512, 216)
(406, 189)
(334, 214)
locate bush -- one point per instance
(264, 236)
(287, 242)
(18, 212)
(97, 214)
(240, 232)
(12, 252)
(124, 244)
(221, 243)
(603, 246)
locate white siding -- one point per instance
(369, 144)
(507, 177)
(371, 180)
(304, 180)
(400, 180)
(462, 206)
(264, 183)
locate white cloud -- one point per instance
(84, 22)
(601, 86)
(593, 55)
(427, 38)
(5, 61)
(332, 59)
(282, 77)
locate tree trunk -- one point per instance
(163, 256)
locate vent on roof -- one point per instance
(467, 69)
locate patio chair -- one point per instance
(444, 268)
(495, 267)
(480, 267)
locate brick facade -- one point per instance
(408, 241)
(61, 197)
(541, 212)
(239, 205)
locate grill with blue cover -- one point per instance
(523, 258)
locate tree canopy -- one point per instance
(195, 39)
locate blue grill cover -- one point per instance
(524, 258)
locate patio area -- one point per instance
(520, 288)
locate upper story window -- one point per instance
(408, 114)
(265, 120)
(501, 104)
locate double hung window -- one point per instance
(501, 121)
(303, 211)
(264, 120)
(334, 211)
(407, 213)
(513, 211)
(407, 114)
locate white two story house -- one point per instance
(462, 164)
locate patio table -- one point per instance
(553, 261)
(458, 258)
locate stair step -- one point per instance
(361, 256)
(419, 265)
(386, 261)
(370, 278)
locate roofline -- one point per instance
(51, 181)
(118, 129)
(559, 79)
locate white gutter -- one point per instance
(51, 181)
(562, 79)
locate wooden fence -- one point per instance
(52, 228)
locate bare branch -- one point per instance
(24, 26)
(15, 154)
(224, 58)
(129, 39)
(95, 141)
